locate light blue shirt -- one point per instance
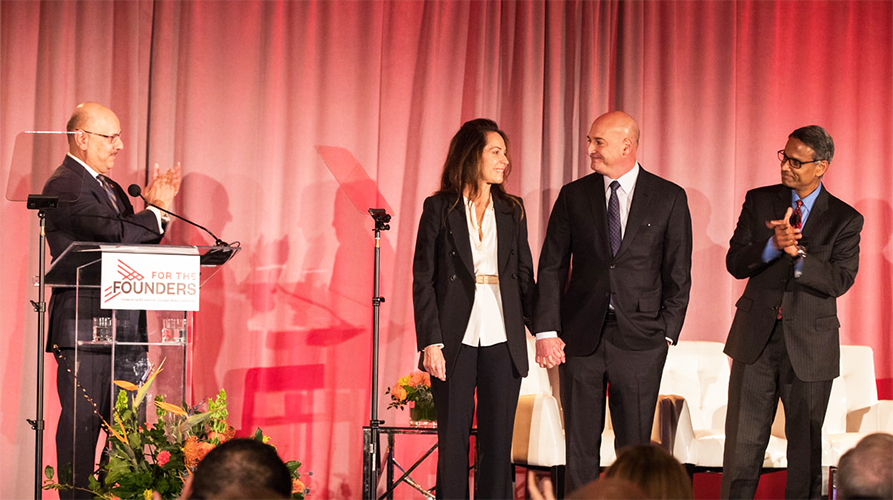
(770, 252)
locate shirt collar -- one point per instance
(627, 181)
(809, 201)
(469, 203)
(94, 173)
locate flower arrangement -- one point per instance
(414, 390)
(159, 457)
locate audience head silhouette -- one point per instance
(866, 471)
(241, 468)
(655, 471)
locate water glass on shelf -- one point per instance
(173, 330)
(102, 329)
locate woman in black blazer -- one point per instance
(472, 294)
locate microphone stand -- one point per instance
(40, 203)
(381, 218)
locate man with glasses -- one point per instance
(798, 246)
(93, 208)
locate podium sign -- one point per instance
(150, 281)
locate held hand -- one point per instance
(435, 363)
(550, 352)
(785, 236)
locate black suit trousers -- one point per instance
(82, 405)
(754, 391)
(490, 369)
(630, 378)
(85, 394)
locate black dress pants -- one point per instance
(631, 379)
(754, 391)
(491, 371)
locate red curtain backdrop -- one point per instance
(291, 118)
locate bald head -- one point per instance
(622, 122)
(866, 471)
(613, 142)
(94, 136)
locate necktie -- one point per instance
(797, 216)
(796, 223)
(614, 234)
(109, 190)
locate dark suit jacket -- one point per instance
(85, 213)
(650, 277)
(443, 276)
(831, 237)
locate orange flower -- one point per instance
(216, 435)
(194, 451)
(419, 379)
(399, 392)
(127, 386)
(171, 408)
(296, 486)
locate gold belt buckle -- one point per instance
(486, 279)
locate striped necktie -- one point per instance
(614, 231)
(110, 191)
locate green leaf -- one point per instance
(194, 420)
(140, 394)
(49, 472)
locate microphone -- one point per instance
(135, 191)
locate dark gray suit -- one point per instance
(795, 358)
(649, 280)
(86, 213)
(443, 290)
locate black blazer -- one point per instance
(85, 213)
(831, 237)
(650, 277)
(443, 276)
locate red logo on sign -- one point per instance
(127, 273)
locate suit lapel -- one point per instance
(639, 208)
(458, 227)
(817, 215)
(599, 209)
(782, 203)
(91, 184)
(505, 231)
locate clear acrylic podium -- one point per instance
(136, 346)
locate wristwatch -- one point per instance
(801, 252)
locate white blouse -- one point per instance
(486, 325)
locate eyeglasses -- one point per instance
(793, 162)
(111, 138)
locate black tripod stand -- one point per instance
(41, 204)
(370, 447)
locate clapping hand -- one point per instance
(164, 186)
(786, 236)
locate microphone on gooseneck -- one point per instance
(135, 191)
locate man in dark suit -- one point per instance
(798, 246)
(614, 280)
(92, 208)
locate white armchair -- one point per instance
(694, 396)
(853, 397)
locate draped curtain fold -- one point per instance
(291, 118)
